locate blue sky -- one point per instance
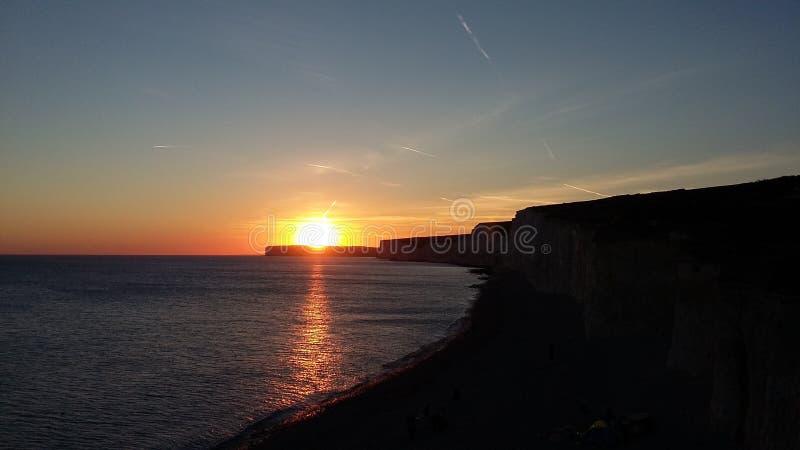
(186, 121)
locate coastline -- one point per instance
(520, 369)
(260, 430)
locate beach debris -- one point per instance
(607, 432)
(600, 434)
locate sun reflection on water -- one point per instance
(314, 356)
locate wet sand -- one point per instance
(520, 370)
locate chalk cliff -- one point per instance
(709, 271)
(485, 246)
(707, 275)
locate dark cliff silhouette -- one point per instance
(707, 275)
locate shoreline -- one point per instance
(262, 428)
(519, 371)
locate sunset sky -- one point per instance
(177, 127)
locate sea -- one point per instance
(184, 352)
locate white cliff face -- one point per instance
(742, 337)
(485, 246)
(671, 269)
(624, 285)
(565, 267)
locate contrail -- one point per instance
(512, 199)
(549, 151)
(167, 146)
(329, 209)
(418, 151)
(474, 39)
(335, 169)
(585, 190)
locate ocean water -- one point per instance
(181, 352)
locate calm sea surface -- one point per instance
(180, 352)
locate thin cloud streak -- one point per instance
(419, 151)
(726, 169)
(474, 39)
(549, 150)
(504, 198)
(335, 169)
(325, 214)
(716, 166)
(155, 93)
(314, 73)
(585, 190)
(165, 147)
(645, 85)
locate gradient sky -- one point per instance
(176, 127)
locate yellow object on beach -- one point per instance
(599, 424)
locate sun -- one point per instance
(316, 233)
